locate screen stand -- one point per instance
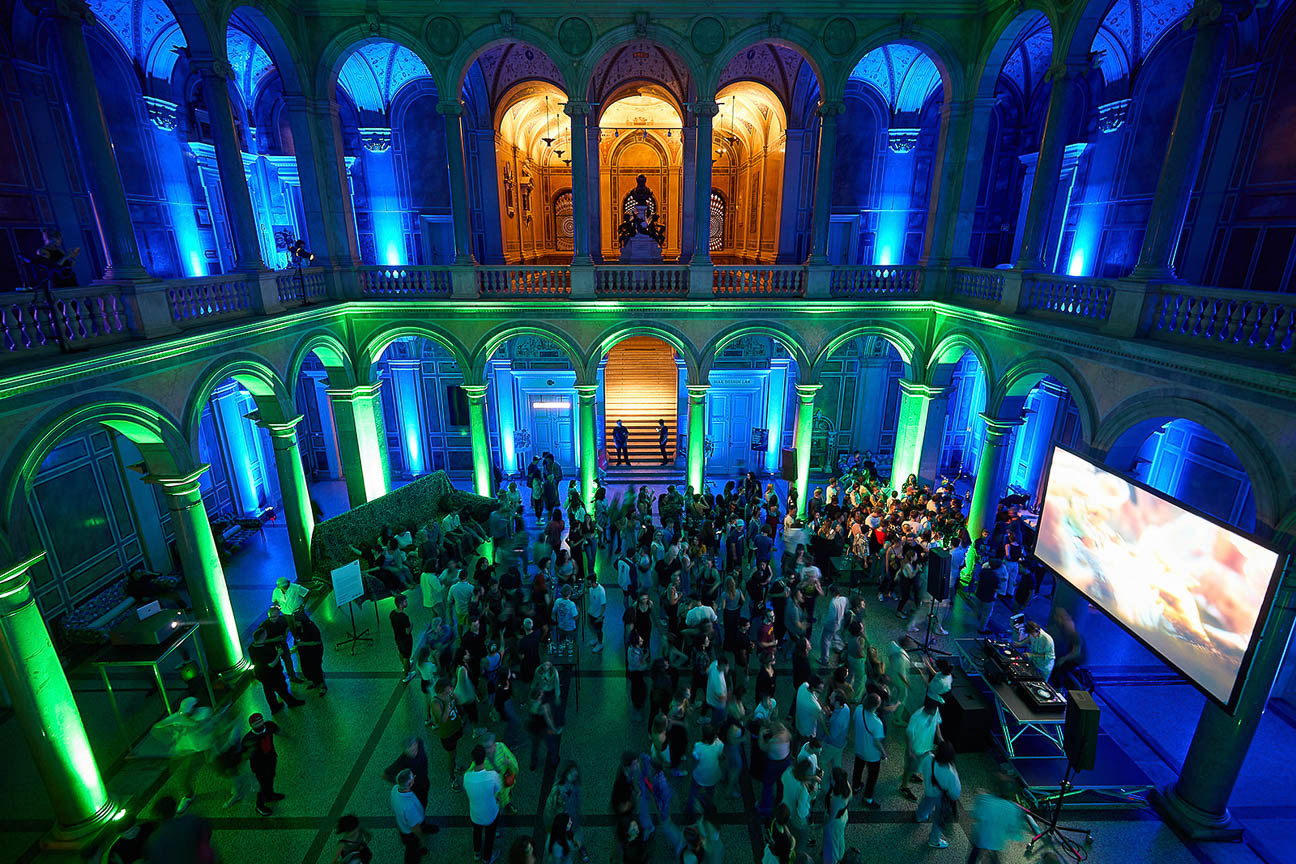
(1057, 834)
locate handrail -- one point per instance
(196, 301)
(873, 280)
(308, 286)
(977, 283)
(1070, 296)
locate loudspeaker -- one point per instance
(787, 459)
(1080, 730)
(965, 717)
(938, 574)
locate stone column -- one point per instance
(961, 159)
(697, 435)
(911, 430)
(704, 112)
(1214, 19)
(202, 569)
(229, 160)
(326, 197)
(578, 111)
(588, 419)
(804, 432)
(362, 439)
(452, 110)
(47, 712)
(990, 471)
(483, 478)
(229, 420)
(297, 511)
(1057, 122)
(828, 112)
(1048, 401)
(103, 180)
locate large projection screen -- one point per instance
(1193, 591)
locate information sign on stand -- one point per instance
(348, 588)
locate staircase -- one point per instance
(640, 386)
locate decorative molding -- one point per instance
(708, 36)
(375, 139)
(443, 35)
(1112, 116)
(161, 113)
(641, 25)
(774, 24)
(838, 36)
(575, 35)
(902, 140)
(507, 22)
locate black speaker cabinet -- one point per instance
(965, 717)
(1080, 730)
(938, 574)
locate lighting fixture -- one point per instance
(548, 138)
(558, 404)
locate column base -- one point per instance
(1143, 273)
(84, 834)
(1192, 823)
(701, 279)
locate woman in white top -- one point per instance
(838, 814)
(797, 781)
(941, 791)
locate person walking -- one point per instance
(565, 799)
(941, 791)
(595, 610)
(353, 842)
(309, 646)
(921, 735)
(410, 817)
(189, 735)
(259, 744)
(482, 784)
(662, 434)
(403, 632)
(501, 759)
(836, 817)
(448, 723)
(708, 753)
(870, 747)
(621, 439)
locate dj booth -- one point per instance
(1029, 731)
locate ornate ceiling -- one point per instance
(376, 71)
(903, 74)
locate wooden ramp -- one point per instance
(641, 385)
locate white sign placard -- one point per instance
(347, 583)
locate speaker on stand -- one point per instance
(1080, 743)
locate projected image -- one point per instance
(1190, 589)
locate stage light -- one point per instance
(1076, 265)
(558, 404)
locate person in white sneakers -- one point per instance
(595, 609)
(482, 784)
(941, 791)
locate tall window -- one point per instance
(717, 220)
(564, 223)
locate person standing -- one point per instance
(267, 668)
(836, 817)
(448, 723)
(870, 747)
(830, 636)
(501, 760)
(921, 735)
(482, 784)
(997, 820)
(353, 842)
(410, 817)
(414, 758)
(707, 770)
(662, 434)
(621, 439)
(1039, 646)
(403, 631)
(595, 609)
(259, 744)
(309, 645)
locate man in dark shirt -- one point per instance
(259, 744)
(404, 633)
(987, 588)
(621, 440)
(662, 435)
(764, 546)
(268, 669)
(413, 757)
(277, 627)
(528, 649)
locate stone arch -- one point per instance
(664, 332)
(380, 341)
(1011, 24)
(349, 39)
(331, 353)
(795, 38)
(618, 36)
(146, 423)
(1021, 377)
(266, 24)
(491, 342)
(947, 59)
(1153, 408)
(485, 38)
(273, 399)
(790, 340)
(905, 344)
(960, 340)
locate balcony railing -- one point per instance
(198, 301)
(758, 280)
(307, 286)
(1249, 321)
(1067, 296)
(529, 282)
(974, 283)
(411, 282)
(871, 281)
(77, 318)
(631, 281)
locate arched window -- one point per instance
(717, 221)
(628, 205)
(564, 224)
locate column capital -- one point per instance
(1226, 12)
(704, 108)
(15, 584)
(476, 392)
(698, 391)
(349, 394)
(807, 391)
(926, 391)
(830, 108)
(1070, 68)
(997, 426)
(586, 392)
(211, 67)
(286, 430)
(449, 106)
(579, 109)
(181, 485)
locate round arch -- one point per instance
(665, 333)
(267, 26)
(790, 341)
(330, 351)
(947, 59)
(1021, 377)
(348, 40)
(625, 34)
(1150, 409)
(491, 342)
(801, 41)
(382, 340)
(483, 39)
(144, 422)
(905, 344)
(256, 374)
(959, 341)
(1004, 33)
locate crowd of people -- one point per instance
(731, 603)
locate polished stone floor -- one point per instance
(334, 748)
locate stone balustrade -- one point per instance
(1251, 322)
(412, 282)
(873, 281)
(309, 286)
(1067, 296)
(759, 280)
(977, 284)
(77, 318)
(524, 281)
(641, 282)
(194, 302)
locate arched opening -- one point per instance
(861, 399)
(533, 154)
(532, 406)
(641, 135)
(886, 143)
(643, 380)
(962, 429)
(749, 139)
(717, 232)
(564, 226)
(425, 410)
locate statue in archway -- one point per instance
(640, 194)
(640, 240)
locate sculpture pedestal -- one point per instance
(641, 249)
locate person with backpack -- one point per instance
(941, 791)
(353, 842)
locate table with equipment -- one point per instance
(1016, 716)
